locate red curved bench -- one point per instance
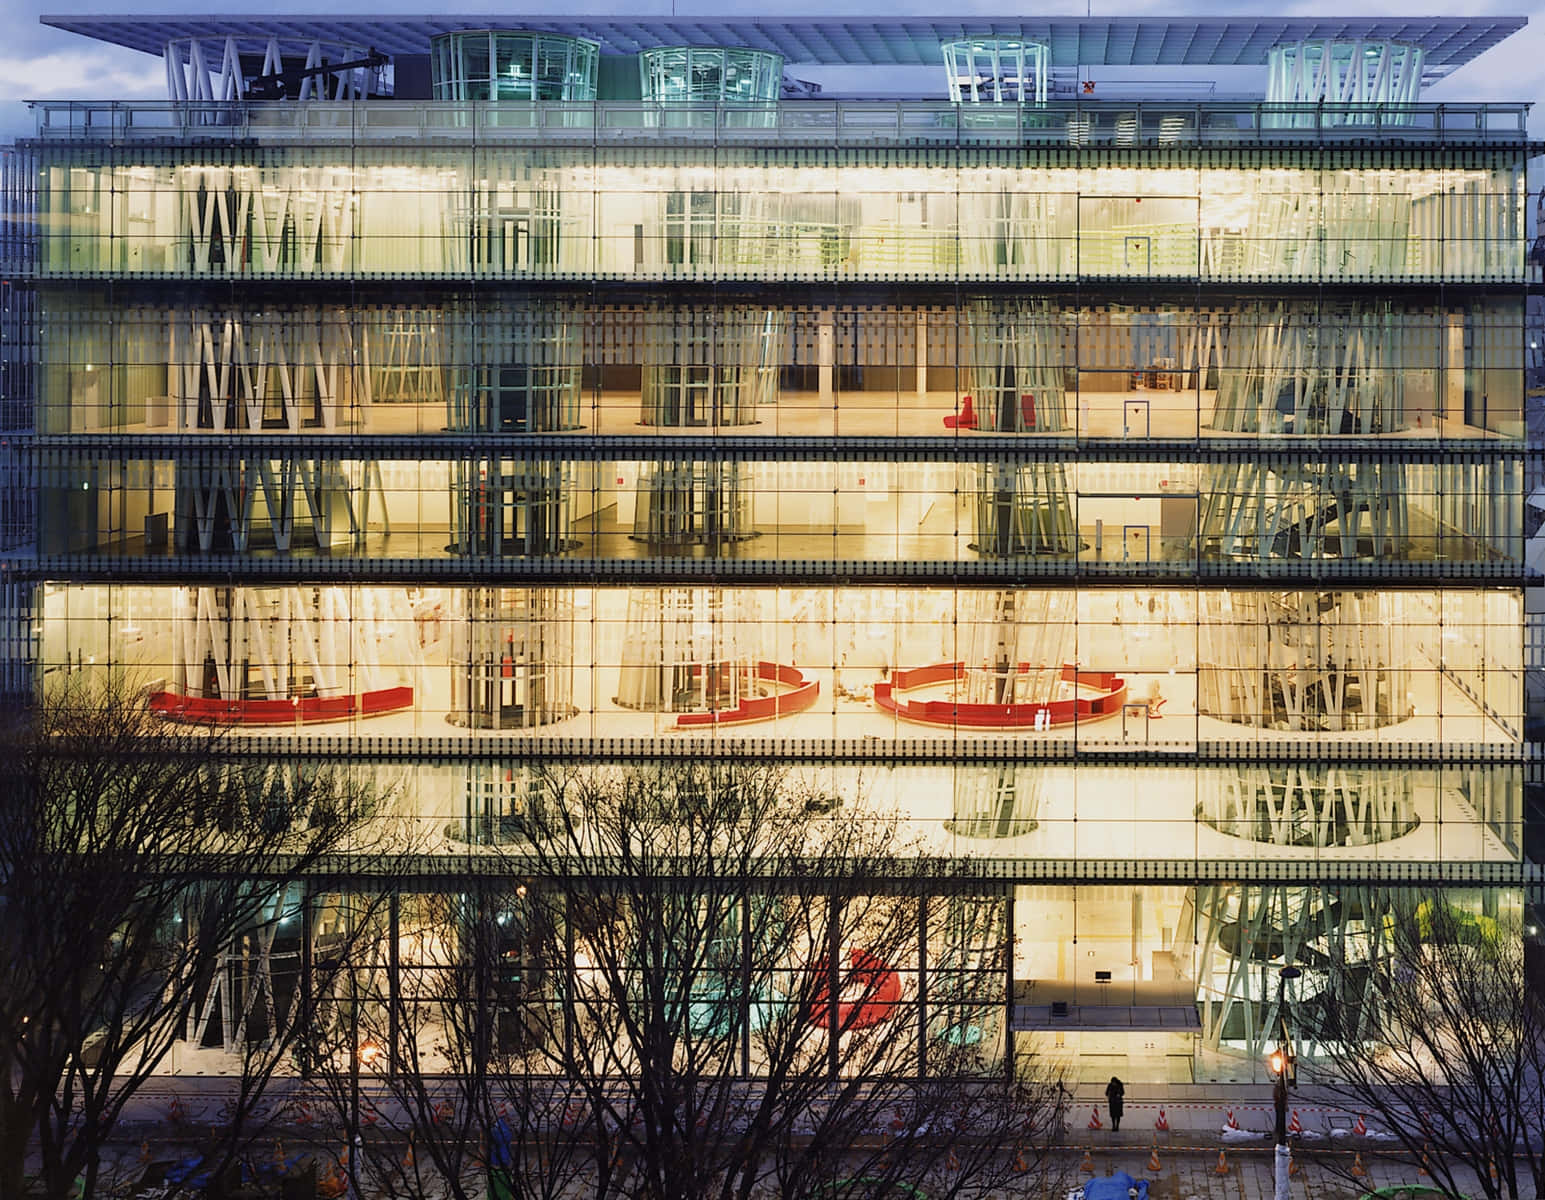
(802, 695)
(204, 710)
(997, 716)
(881, 984)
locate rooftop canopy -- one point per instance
(1447, 42)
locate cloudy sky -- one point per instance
(40, 63)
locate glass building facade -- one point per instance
(1130, 496)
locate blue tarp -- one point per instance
(1115, 1187)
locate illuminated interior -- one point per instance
(1127, 497)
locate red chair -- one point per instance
(964, 419)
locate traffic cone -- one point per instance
(1421, 1167)
(1494, 1171)
(1094, 1119)
(1361, 1128)
(954, 1160)
(332, 1184)
(1295, 1126)
(144, 1151)
(1153, 1157)
(1231, 1123)
(1292, 1165)
(1358, 1170)
(1087, 1166)
(1222, 1167)
(1162, 1124)
(1020, 1164)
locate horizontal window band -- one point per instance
(804, 572)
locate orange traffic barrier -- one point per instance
(1358, 1170)
(1153, 1158)
(1094, 1119)
(1162, 1124)
(1087, 1166)
(1222, 1167)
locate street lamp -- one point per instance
(1281, 1061)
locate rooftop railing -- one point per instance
(787, 123)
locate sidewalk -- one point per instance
(1188, 1150)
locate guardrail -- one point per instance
(792, 122)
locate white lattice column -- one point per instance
(1304, 661)
(1015, 644)
(1302, 370)
(710, 367)
(282, 220)
(501, 798)
(1308, 804)
(1023, 508)
(689, 649)
(210, 69)
(515, 369)
(513, 658)
(288, 370)
(1016, 379)
(287, 502)
(265, 655)
(1017, 366)
(694, 502)
(1339, 937)
(240, 1000)
(511, 507)
(705, 368)
(998, 801)
(1344, 74)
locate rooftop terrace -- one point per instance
(789, 123)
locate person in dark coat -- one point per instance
(1115, 1096)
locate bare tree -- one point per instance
(429, 1063)
(704, 980)
(147, 870)
(1442, 1044)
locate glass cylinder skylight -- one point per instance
(997, 71)
(494, 64)
(710, 75)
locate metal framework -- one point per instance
(997, 71)
(1350, 72)
(514, 652)
(215, 68)
(286, 643)
(1330, 661)
(689, 650)
(1339, 937)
